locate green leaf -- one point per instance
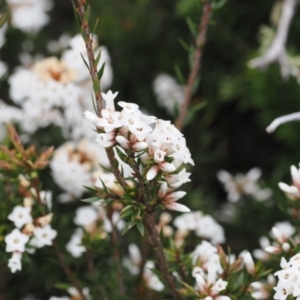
(3, 19)
(101, 71)
(192, 112)
(179, 74)
(87, 13)
(96, 85)
(140, 227)
(218, 4)
(85, 62)
(95, 26)
(93, 190)
(91, 200)
(128, 226)
(184, 45)
(62, 286)
(122, 155)
(192, 26)
(97, 59)
(126, 211)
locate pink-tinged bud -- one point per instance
(175, 196)
(273, 250)
(248, 261)
(153, 171)
(167, 167)
(162, 190)
(286, 247)
(91, 117)
(139, 146)
(123, 142)
(278, 235)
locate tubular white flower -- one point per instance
(20, 216)
(109, 98)
(14, 263)
(15, 241)
(43, 236)
(106, 140)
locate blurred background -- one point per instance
(144, 39)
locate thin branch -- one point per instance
(282, 120)
(81, 10)
(70, 275)
(116, 254)
(276, 51)
(196, 65)
(155, 241)
(92, 270)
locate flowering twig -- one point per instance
(81, 11)
(277, 51)
(71, 277)
(196, 65)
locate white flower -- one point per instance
(14, 263)
(292, 191)
(85, 215)
(133, 262)
(15, 241)
(109, 98)
(168, 92)
(43, 236)
(151, 279)
(243, 184)
(248, 261)
(20, 216)
(74, 246)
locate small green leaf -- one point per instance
(101, 71)
(85, 62)
(122, 155)
(140, 227)
(192, 112)
(184, 45)
(97, 59)
(87, 13)
(128, 226)
(62, 286)
(96, 24)
(179, 74)
(91, 200)
(192, 26)
(126, 212)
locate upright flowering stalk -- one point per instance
(146, 155)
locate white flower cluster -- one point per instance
(29, 15)
(54, 91)
(133, 264)
(207, 272)
(90, 217)
(169, 93)
(282, 236)
(41, 234)
(203, 225)
(292, 191)
(161, 147)
(288, 278)
(241, 184)
(75, 165)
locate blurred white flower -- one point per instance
(14, 263)
(74, 246)
(85, 215)
(20, 216)
(292, 191)
(151, 280)
(29, 15)
(15, 241)
(43, 236)
(169, 93)
(241, 184)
